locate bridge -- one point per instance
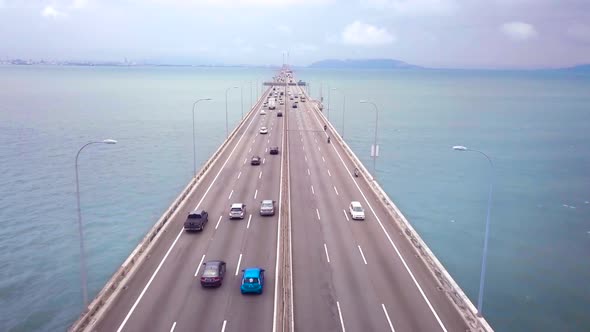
(324, 271)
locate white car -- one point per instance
(237, 211)
(262, 112)
(356, 211)
(263, 130)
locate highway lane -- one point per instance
(174, 296)
(347, 274)
(389, 297)
(343, 279)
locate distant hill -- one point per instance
(581, 68)
(363, 64)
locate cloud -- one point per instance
(358, 33)
(518, 30)
(79, 4)
(53, 13)
(244, 3)
(303, 48)
(414, 7)
(284, 29)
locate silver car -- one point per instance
(237, 211)
(267, 207)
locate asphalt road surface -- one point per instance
(347, 275)
(165, 294)
(350, 274)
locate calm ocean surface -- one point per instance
(534, 125)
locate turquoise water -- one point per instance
(534, 126)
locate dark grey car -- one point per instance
(196, 220)
(213, 273)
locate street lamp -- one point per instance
(329, 92)
(83, 272)
(194, 148)
(485, 241)
(251, 99)
(343, 108)
(226, 126)
(242, 96)
(362, 101)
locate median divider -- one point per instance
(105, 298)
(446, 283)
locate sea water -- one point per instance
(533, 125)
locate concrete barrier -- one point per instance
(105, 298)
(461, 302)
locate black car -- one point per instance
(280, 114)
(196, 220)
(274, 150)
(294, 105)
(255, 160)
(213, 273)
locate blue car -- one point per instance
(252, 280)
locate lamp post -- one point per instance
(242, 96)
(362, 101)
(343, 108)
(251, 99)
(226, 125)
(83, 272)
(486, 236)
(329, 93)
(194, 144)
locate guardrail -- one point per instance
(112, 289)
(446, 283)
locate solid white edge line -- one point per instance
(218, 221)
(249, 219)
(387, 316)
(200, 263)
(362, 255)
(149, 282)
(223, 326)
(346, 215)
(440, 323)
(181, 231)
(318, 212)
(238, 266)
(326, 249)
(173, 326)
(274, 316)
(340, 314)
(290, 253)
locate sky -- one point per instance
(431, 33)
